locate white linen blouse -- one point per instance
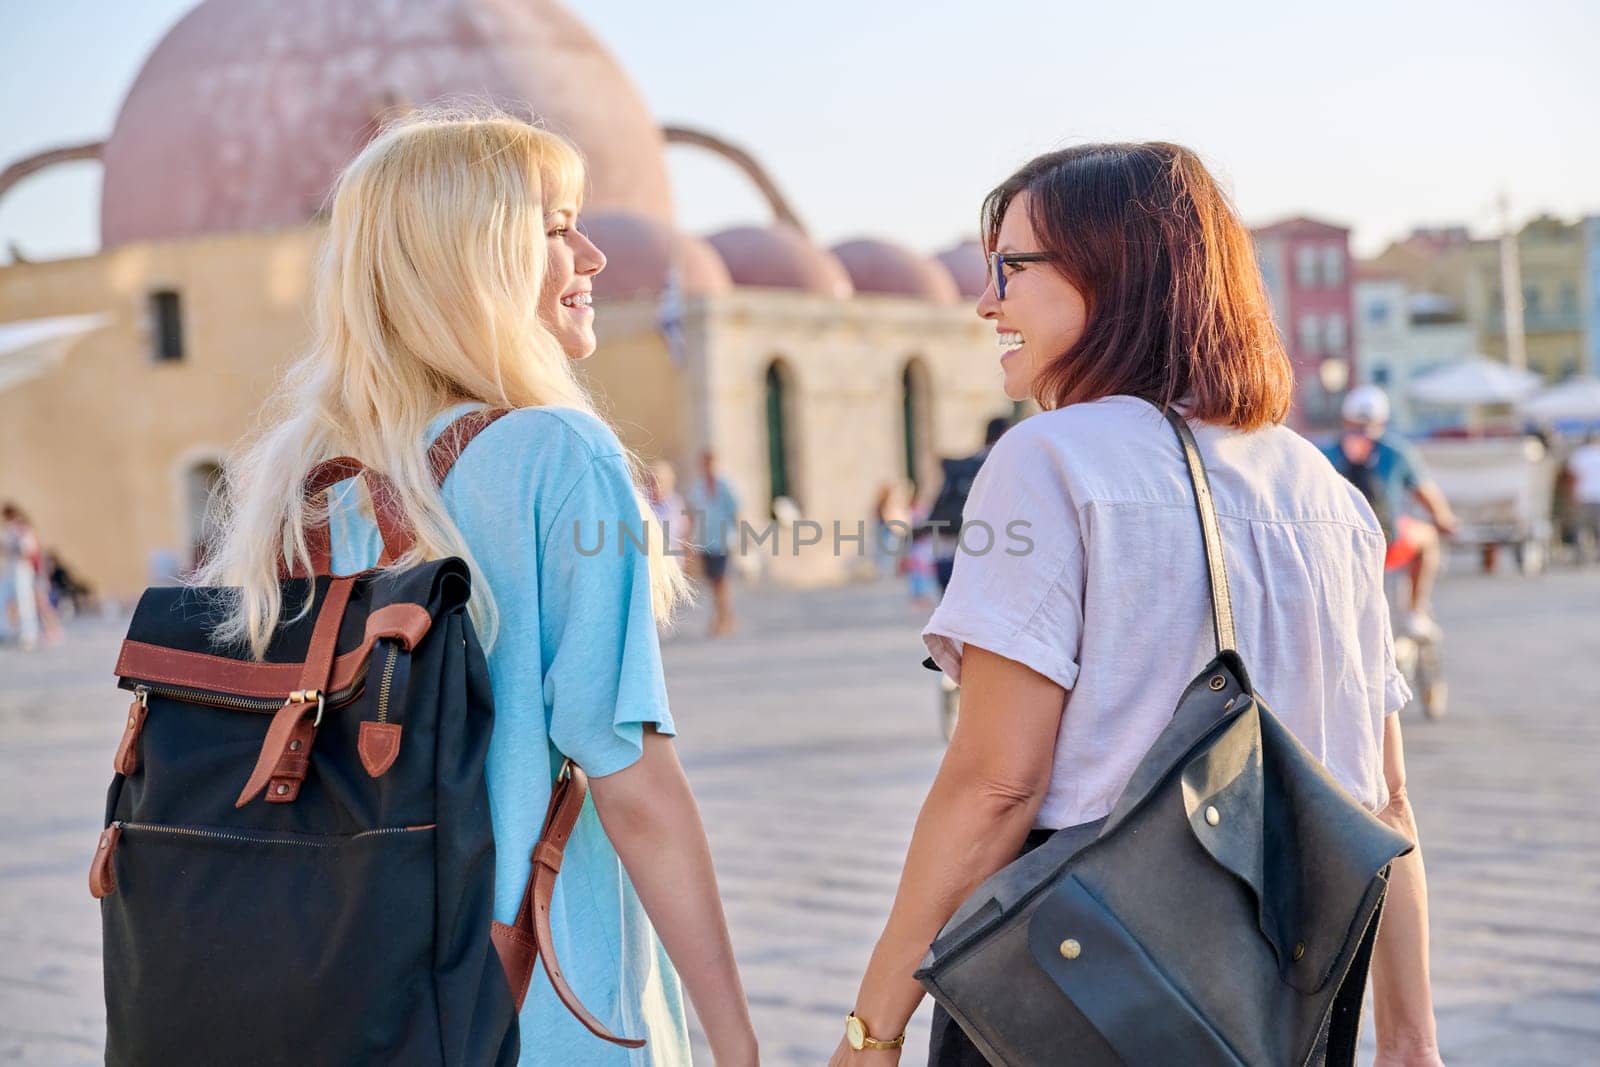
(1082, 559)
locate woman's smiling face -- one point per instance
(1043, 314)
(564, 301)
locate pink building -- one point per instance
(1307, 268)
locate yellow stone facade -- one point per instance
(111, 451)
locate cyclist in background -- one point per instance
(1391, 475)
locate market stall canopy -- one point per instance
(1473, 381)
(1576, 399)
(30, 347)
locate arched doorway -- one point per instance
(916, 423)
(201, 484)
(779, 394)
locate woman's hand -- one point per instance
(845, 1056)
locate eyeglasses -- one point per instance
(997, 267)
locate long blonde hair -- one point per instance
(427, 292)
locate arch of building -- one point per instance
(916, 424)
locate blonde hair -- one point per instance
(427, 292)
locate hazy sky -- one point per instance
(892, 118)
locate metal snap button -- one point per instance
(1070, 949)
(1213, 816)
(294, 746)
(1218, 683)
(281, 790)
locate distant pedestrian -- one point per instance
(891, 522)
(19, 570)
(945, 518)
(714, 509)
(666, 503)
(921, 570)
(1583, 466)
(66, 588)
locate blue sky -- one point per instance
(892, 118)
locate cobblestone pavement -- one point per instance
(810, 738)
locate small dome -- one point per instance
(780, 257)
(639, 252)
(881, 267)
(966, 265)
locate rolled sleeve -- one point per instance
(603, 681)
(1023, 597)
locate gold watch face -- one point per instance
(855, 1032)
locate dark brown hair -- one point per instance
(1177, 308)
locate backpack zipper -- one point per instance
(222, 700)
(386, 682)
(266, 837)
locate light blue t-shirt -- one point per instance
(576, 667)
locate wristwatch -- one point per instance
(855, 1032)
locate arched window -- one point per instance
(780, 430)
(915, 422)
(203, 481)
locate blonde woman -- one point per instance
(455, 276)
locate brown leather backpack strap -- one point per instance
(449, 445)
(282, 764)
(393, 526)
(530, 937)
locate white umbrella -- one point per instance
(1475, 381)
(32, 346)
(1575, 399)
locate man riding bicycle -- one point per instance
(1390, 475)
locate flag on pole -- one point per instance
(669, 318)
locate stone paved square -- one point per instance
(810, 738)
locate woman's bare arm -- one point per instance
(653, 822)
(1402, 993)
(978, 813)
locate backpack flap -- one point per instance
(385, 617)
(1265, 809)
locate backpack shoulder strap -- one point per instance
(449, 445)
(529, 937)
(393, 526)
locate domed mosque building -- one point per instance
(816, 375)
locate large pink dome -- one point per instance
(640, 252)
(780, 257)
(247, 109)
(882, 267)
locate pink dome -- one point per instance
(966, 265)
(780, 257)
(640, 251)
(881, 267)
(247, 109)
